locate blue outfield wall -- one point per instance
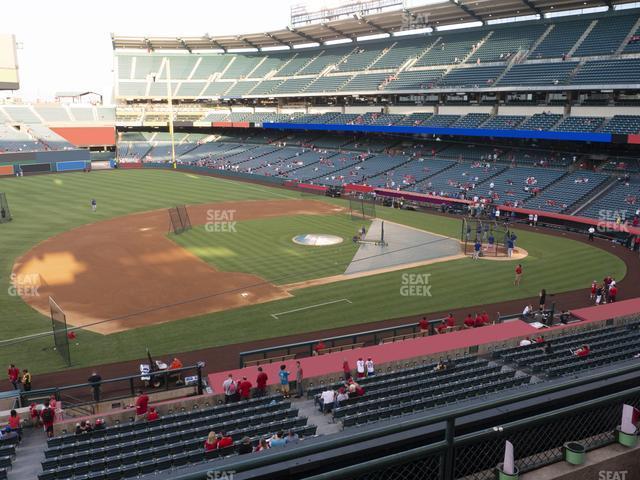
(69, 166)
(461, 132)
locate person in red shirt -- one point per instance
(14, 373)
(479, 321)
(583, 351)
(211, 443)
(450, 321)
(224, 440)
(261, 383)
(142, 402)
(318, 347)
(485, 318)
(613, 292)
(346, 369)
(468, 322)
(516, 281)
(423, 324)
(244, 388)
(152, 415)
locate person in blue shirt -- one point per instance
(284, 380)
(94, 205)
(476, 250)
(510, 244)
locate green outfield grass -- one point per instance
(46, 205)
(264, 247)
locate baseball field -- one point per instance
(236, 276)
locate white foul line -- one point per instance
(275, 315)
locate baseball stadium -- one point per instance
(391, 240)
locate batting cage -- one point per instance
(362, 206)
(493, 237)
(60, 331)
(179, 220)
(5, 213)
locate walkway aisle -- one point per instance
(29, 455)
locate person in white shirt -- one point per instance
(371, 369)
(591, 233)
(525, 342)
(535, 220)
(531, 219)
(342, 396)
(326, 399)
(360, 367)
(527, 311)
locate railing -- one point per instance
(538, 439)
(372, 337)
(83, 396)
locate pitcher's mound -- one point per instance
(317, 239)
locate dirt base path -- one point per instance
(126, 269)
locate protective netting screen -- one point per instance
(362, 206)
(5, 213)
(179, 219)
(60, 332)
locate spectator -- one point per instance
(583, 351)
(292, 437)
(525, 342)
(613, 293)
(469, 322)
(7, 435)
(95, 381)
(342, 396)
(15, 424)
(262, 445)
(99, 425)
(261, 383)
(244, 389)
(224, 440)
(142, 403)
(245, 446)
(424, 325)
(371, 368)
(299, 379)
(229, 388)
(35, 415)
(83, 427)
(26, 380)
(318, 347)
(284, 380)
(440, 366)
(211, 443)
(346, 369)
(14, 376)
(355, 388)
(327, 400)
(47, 415)
(360, 370)
(277, 440)
(152, 415)
(528, 311)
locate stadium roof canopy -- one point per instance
(437, 14)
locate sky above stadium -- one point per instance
(66, 45)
